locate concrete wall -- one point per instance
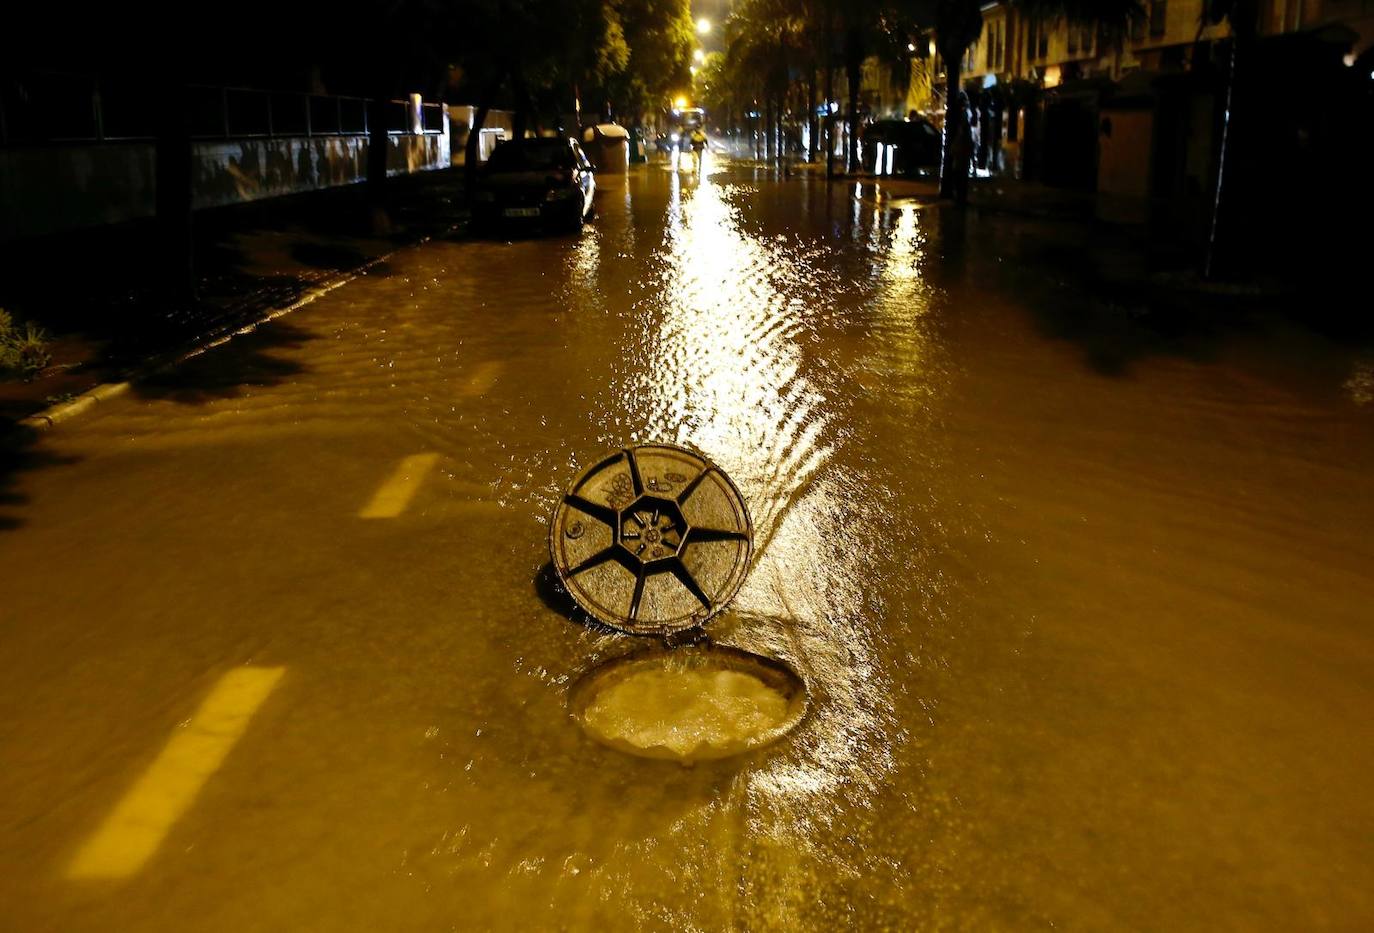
(52, 188)
(236, 171)
(48, 189)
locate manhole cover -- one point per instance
(687, 704)
(652, 540)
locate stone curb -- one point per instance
(54, 415)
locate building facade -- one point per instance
(1138, 115)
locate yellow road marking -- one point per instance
(482, 378)
(392, 497)
(139, 822)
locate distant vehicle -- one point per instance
(544, 180)
(680, 128)
(690, 118)
(901, 147)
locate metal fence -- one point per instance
(75, 108)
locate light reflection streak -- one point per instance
(722, 369)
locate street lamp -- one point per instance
(700, 56)
(703, 26)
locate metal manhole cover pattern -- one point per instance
(652, 539)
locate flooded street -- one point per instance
(1083, 596)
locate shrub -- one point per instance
(23, 352)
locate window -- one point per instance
(1158, 17)
(1080, 40)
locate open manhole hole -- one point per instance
(691, 703)
(652, 540)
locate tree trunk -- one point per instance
(766, 128)
(173, 195)
(829, 118)
(523, 106)
(471, 148)
(777, 124)
(811, 127)
(854, 72)
(952, 72)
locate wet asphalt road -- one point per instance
(1081, 592)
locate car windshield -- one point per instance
(530, 155)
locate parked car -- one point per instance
(548, 180)
(901, 147)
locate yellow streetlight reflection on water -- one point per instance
(731, 376)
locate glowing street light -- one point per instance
(680, 103)
(911, 46)
(703, 26)
(700, 56)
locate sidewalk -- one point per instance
(1002, 194)
(96, 292)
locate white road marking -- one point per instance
(392, 497)
(142, 818)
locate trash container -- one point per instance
(608, 146)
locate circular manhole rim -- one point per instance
(591, 682)
(630, 625)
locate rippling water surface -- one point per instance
(1082, 596)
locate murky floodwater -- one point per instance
(690, 703)
(1083, 600)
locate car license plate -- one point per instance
(522, 212)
